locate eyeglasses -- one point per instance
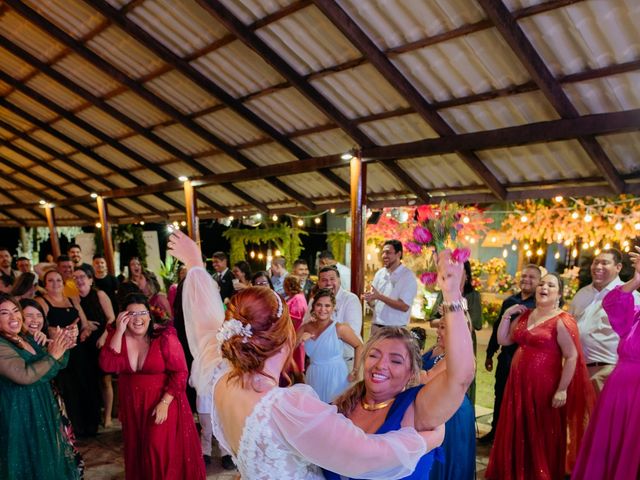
(261, 284)
(139, 313)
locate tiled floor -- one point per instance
(104, 460)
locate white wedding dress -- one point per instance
(290, 433)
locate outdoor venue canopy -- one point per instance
(256, 101)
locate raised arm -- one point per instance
(345, 449)
(506, 326)
(619, 303)
(436, 404)
(203, 310)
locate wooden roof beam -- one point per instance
(397, 80)
(39, 193)
(86, 151)
(223, 15)
(184, 67)
(139, 89)
(508, 27)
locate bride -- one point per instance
(273, 432)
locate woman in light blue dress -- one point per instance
(323, 341)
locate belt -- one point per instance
(599, 364)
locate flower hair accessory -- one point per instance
(233, 328)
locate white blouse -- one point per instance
(290, 432)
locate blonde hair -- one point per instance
(349, 399)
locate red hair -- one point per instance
(259, 308)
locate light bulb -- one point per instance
(574, 253)
(494, 239)
(559, 198)
(333, 210)
(524, 218)
(618, 226)
(574, 215)
(556, 255)
(526, 246)
(300, 222)
(505, 253)
(637, 226)
(141, 222)
(252, 254)
(183, 223)
(585, 246)
(472, 241)
(539, 252)
(592, 243)
(567, 243)
(607, 246)
(588, 218)
(625, 243)
(98, 225)
(93, 195)
(465, 219)
(596, 251)
(528, 254)
(513, 247)
(317, 220)
(260, 256)
(278, 253)
(274, 218)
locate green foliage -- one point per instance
(285, 238)
(337, 242)
(169, 271)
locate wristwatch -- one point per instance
(455, 306)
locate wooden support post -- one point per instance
(358, 218)
(53, 232)
(190, 201)
(106, 234)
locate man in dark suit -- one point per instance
(222, 275)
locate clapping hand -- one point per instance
(60, 342)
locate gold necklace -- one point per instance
(376, 406)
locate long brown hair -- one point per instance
(16, 340)
(271, 330)
(349, 399)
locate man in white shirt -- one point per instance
(348, 307)
(393, 289)
(599, 341)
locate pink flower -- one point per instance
(413, 247)
(458, 226)
(425, 212)
(422, 235)
(460, 255)
(429, 278)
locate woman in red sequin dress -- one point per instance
(548, 397)
(160, 438)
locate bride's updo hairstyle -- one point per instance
(266, 328)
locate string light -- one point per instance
(539, 252)
(333, 210)
(575, 215)
(607, 246)
(274, 218)
(559, 198)
(231, 218)
(300, 222)
(465, 219)
(93, 195)
(524, 218)
(574, 253)
(183, 223)
(618, 226)
(514, 247)
(98, 225)
(556, 255)
(526, 246)
(567, 243)
(597, 251)
(585, 246)
(637, 226)
(317, 220)
(588, 218)
(626, 249)
(141, 222)
(505, 253)
(278, 253)
(528, 254)
(472, 241)
(368, 257)
(494, 239)
(260, 256)
(625, 243)
(592, 243)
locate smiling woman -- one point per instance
(160, 438)
(32, 443)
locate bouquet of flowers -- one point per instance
(436, 230)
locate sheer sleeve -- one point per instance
(620, 309)
(303, 419)
(112, 361)
(204, 314)
(174, 361)
(13, 366)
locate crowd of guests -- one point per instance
(566, 386)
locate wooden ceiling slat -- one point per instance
(508, 27)
(184, 67)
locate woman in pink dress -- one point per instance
(160, 438)
(610, 448)
(297, 304)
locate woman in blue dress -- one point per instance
(459, 446)
(323, 341)
(390, 395)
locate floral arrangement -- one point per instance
(571, 282)
(490, 311)
(505, 283)
(587, 220)
(436, 230)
